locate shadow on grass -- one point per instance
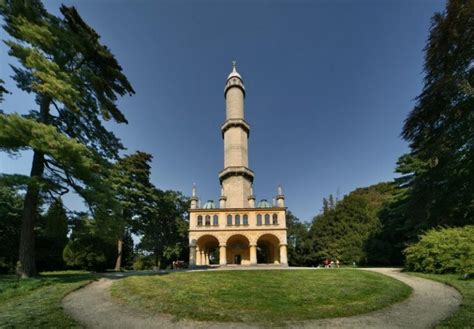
(122, 275)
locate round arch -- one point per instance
(207, 247)
(238, 250)
(268, 249)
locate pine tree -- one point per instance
(130, 183)
(76, 81)
(440, 129)
(164, 233)
(52, 237)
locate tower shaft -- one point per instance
(236, 178)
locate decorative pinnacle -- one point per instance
(234, 65)
(194, 190)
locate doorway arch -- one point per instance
(268, 249)
(238, 252)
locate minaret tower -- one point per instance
(236, 178)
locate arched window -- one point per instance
(259, 219)
(229, 219)
(275, 219)
(246, 220)
(267, 219)
(215, 220)
(208, 220)
(237, 219)
(199, 220)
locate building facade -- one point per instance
(237, 231)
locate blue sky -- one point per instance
(329, 84)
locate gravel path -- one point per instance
(429, 303)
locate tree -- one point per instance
(2, 90)
(76, 81)
(165, 232)
(130, 181)
(440, 128)
(52, 237)
(87, 248)
(299, 244)
(345, 231)
(10, 223)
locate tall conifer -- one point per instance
(76, 81)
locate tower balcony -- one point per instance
(235, 123)
(236, 171)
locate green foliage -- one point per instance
(87, 249)
(83, 169)
(10, 219)
(440, 129)
(299, 244)
(344, 229)
(2, 90)
(143, 262)
(76, 81)
(443, 250)
(165, 231)
(52, 237)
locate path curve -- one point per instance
(429, 303)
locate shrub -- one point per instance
(443, 250)
(89, 253)
(142, 262)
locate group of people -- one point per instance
(328, 263)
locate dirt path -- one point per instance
(430, 303)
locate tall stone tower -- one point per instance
(237, 231)
(236, 178)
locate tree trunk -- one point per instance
(26, 266)
(118, 263)
(157, 260)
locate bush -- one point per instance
(443, 250)
(143, 263)
(89, 253)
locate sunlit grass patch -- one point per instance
(36, 302)
(261, 296)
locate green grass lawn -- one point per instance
(36, 303)
(261, 296)
(464, 318)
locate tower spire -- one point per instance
(194, 198)
(280, 198)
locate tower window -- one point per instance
(259, 219)
(246, 220)
(199, 220)
(208, 220)
(267, 219)
(275, 219)
(215, 220)
(237, 219)
(229, 219)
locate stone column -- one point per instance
(198, 256)
(223, 254)
(253, 254)
(283, 255)
(204, 257)
(192, 256)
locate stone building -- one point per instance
(238, 230)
